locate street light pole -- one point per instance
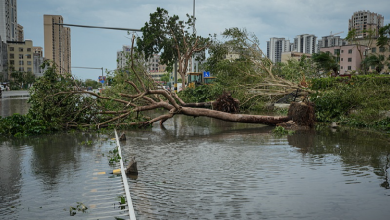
(193, 31)
(95, 68)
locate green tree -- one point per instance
(384, 36)
(92, 83)
(294, 70)
(165, 78)
(377, 61)
(21, 79)
(326, 62)
(172, 37)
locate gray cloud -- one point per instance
(277, 18)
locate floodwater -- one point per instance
(201, 168)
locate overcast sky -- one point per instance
(265, 18)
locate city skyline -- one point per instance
(98, 48)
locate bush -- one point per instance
(358, 101)
(201, 93)
(22, 125)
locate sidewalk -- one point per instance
(15, 94)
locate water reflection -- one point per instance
(239, 171)
(359, 151)
(209, 169)
(45, 174)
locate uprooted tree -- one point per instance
(242, 67)
(63, 104)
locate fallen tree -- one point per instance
(65, 105)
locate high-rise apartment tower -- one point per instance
(57, 42)
(305, 43)
(8, 20)
(275, 48)
(362, 21)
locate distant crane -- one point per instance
(335, 33)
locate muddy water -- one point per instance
(200, 168)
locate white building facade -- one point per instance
(305, 43)
(275, 48)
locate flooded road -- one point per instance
(201, 168)
(218, 170)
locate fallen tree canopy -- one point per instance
(134, 92)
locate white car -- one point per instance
(2, 87)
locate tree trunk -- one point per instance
(258, 119)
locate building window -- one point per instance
(21, 69)
(29, 63)
(341, 67)
(342, 51)
(11, 49)
(342, 59)
(28, 56)
(381, 49)
(350, 51)
(28, 49)
(28, 69)
(349, 68)
(20, 56)
(336, 51)
(12, 62)
(21, 62)
(20, 49)
(350, 59)
(11, 56)
(373, 49)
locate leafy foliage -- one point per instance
(326, 62)
(376, 60)
(242, 68)
(359, 101)
(202, 93)
(384, 36)
(21, 80)
(50, 105)
(23, 125)
(171, 36)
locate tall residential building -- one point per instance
(275, 48)
(331, 41)
(20, 56)
(20, 33)
(362, 21)
(57, 42)
(152, 64)
(305, 43)
(3, 61)
(8, 20)
(38, 61)
(122, 57)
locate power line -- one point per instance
(112, 28)
(82, 67)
